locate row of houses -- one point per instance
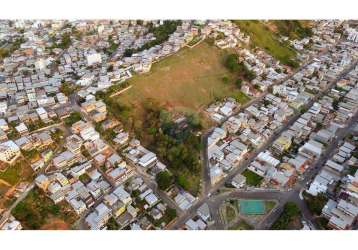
(254, 126)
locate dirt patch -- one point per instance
(55, 224)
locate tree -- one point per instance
(290, 211)
(335, 104)
(112, 224)
(74, 117)
(238, 83)
(257, 87)
(183, 182)
(110, 68)
(231, 62)
(225, 79)
(128, 52)
(164, 180)
(67, 88)
(315, 203)
(171, 213)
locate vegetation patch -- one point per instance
(294, 29)
(169, 215)
(288, 218)
(241, 225)
(73, 118)
(112, 224)
(315, 203)
(68, 88)
(269, 205)
(261, 36)
(164, 180)
(252, 179)
(322, 223)
(20, 171)
(230, 213)
(178, 147)
(37, 210)
(239, 68)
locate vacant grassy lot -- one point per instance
(186, 81)
(252, 179)
(262, 37)
(37, 211)
(269, 205)
(241, 225)
(21, 171)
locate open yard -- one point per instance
(187, 81)
(252, 179)
(21, 171)
(37, 211)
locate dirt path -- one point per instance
(5, 183)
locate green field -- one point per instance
(21, 171)
(186, 82)
(262, 37)
(252, 179)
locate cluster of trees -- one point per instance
(290, 62)
(112, 224)
(315, 203)
(112, 46)
(65, 41)
(336, 101)
(117, 109)
(36, 209)
(77, 34)
(293, 29)
(239, 68)
(7, 51)
(161, 34)
(164, 180)
(74, 117)
(57, 135)
(179, 149)
(31, 154)
(67, 88)
(290, 211)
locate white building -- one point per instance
(93, 59)
(9, 151)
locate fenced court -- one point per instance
(252, 207)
